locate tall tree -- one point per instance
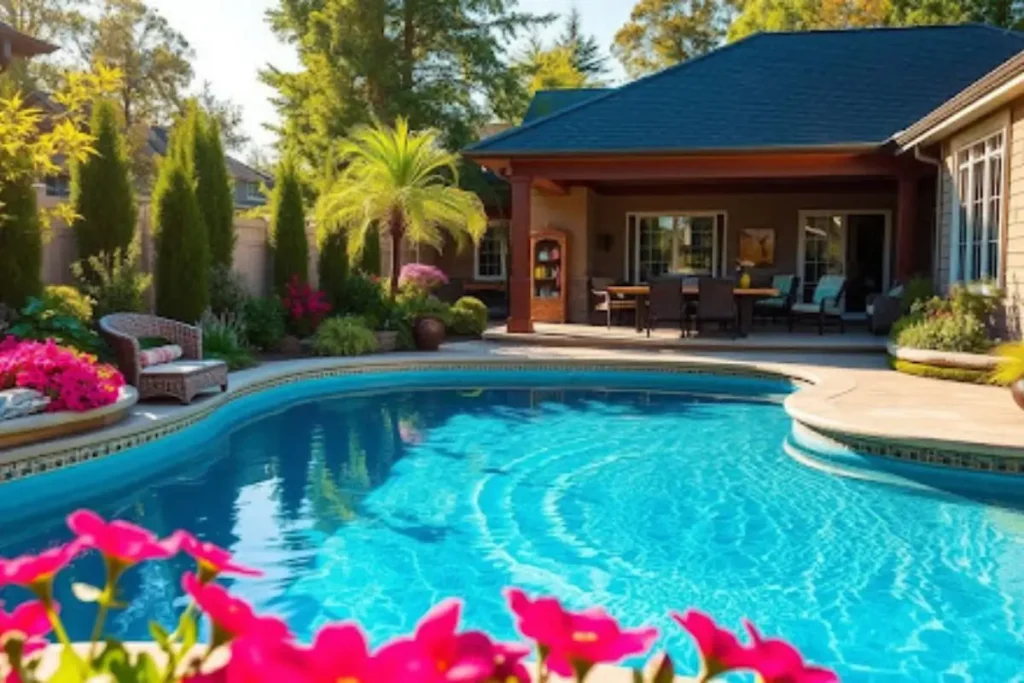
(216, 200)
(806, 15)
(586, 53)
(1005, 13)
(60, 22)
(228, 116)
(661, 33)
(101, 190)
(288, 228)
(21, 243)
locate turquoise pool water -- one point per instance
(374, 506)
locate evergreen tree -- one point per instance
(288, 228)
(182, 248)
(101, 190)
(369, 259)
(333, 267)
(586, 53)
(21, 243)
(213, 189)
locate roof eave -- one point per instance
(852, 147)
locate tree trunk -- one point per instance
(397, 230)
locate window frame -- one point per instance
(503, 245)
(972, 245)
(719, 250)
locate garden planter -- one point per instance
(428, 333)
(1017, 391)
(387, 340)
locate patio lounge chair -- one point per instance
(665, 303)
(884, 309)
(716, 303)
(778, 306)
(605, 304)
(181, 379)
(826, 302)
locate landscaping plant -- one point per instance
(41, 322)
(959, 322)
(71, 380)
(264, 322)
(213, 189)
(66, 300)
(420, 278)
(288, 229)
(224, 339)
(114, 281)
(344, 336)
(306, 306)
(468, 316)
(262, 647)
(333, 268)
(21, 243)
(228, 291)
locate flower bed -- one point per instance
(72, 380)
(262, 648)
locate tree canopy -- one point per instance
(804, 15)
(661, 33)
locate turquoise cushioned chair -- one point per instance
(827, 302)
(776, 306)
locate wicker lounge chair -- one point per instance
(826, 303)
(181, 379)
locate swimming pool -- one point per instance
(642, 492)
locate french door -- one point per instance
(683, 243)
(824, 247)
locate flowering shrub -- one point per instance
(306, 306)
(70, 379)
(421, 277)
(262, 648)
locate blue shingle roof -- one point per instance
(547, 102)
(810, 89)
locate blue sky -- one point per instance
(232, 42)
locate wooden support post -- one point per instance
(519, 319)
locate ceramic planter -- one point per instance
(1017, 391)
(428, 333)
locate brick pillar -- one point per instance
(519, 247)
(906, 227)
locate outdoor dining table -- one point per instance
(745, 298)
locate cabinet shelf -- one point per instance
(548, 302)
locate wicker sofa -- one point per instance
(182, 378)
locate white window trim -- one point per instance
(845, 214)
(718, 253)
(959, 197)
(504, 256)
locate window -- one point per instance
(688, 244)
(491, 252)
(978, 219)
(253, 192)
(58, 186)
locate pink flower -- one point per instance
(776, 661)
(70, 379)
(720, 651)
(28, 623)
(230, 615)
(421, 276)
(212, 559)
(34, 570)
(340, 653)
(576, 638)
(259, 658)
(121, 541)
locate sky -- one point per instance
(232, 42)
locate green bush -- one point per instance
(213, 189)
(65, 300)
(945, 332)
(101, 189)
(228, 292)
(41, 322)
(344, 336)
(21, 244)
(937, 372)
(288, 229)
(223, 337)
(369, 259)
(182, 250)
(468, 316)
(264, 323)
(114, 281)
(365, 298)
(917, 290)
(333, 268)
(420, 305)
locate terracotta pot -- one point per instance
(386, 340)
(1017, 391)
(428, 333)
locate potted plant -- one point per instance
(428, 314)
(1011, 370)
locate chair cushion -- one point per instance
(160, 354)
(783, 283)
(772, 302)
(815, 309)
(181, 367)
(828, 288)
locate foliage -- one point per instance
(365, 297)
(344, 336)
(21, 242)
(65, 300)
(182, 250)
(370, 261)
(305, 306)
(260, 647)
(40, 321)
(468, 316)
(333, 267)
(58, 22)
(71, 380)
(114, 281)
(402, 183)
(916, 290)
(421, 277)
(264, 322)
(1011, 368)
(213, 190)
(959, 322)
(414, 305)
(965, 375)
(585, 51)
(288, 228)
(102, 191)
(228, 291)
(661, 33)
(224, 339)
(226, 115)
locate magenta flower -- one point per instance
(119, 541)
(260, 658)
(421, 276)
(212, 559)
(776, 661)
(28, 623)
(720, 651)
(340, 653)
(70, 379)
(232, 616)
(38, 570)
(576, 640)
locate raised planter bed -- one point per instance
(944, 359)
(22, 431)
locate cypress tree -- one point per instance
(182, 249)
(21, 244)
(333, 267)
(101, 190)
(213, 189)
(288, 228)
(369, 261)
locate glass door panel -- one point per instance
(694, 245)
(824, 245)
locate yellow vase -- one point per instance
(745, 280)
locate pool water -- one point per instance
(375, 506)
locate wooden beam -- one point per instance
(550, 187)
(519, 318)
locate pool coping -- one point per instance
(804, 406)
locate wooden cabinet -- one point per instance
(549, 258)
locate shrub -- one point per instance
(288, 229)
(182, 251)
(468, 316)
(369, 259)
(305, 306)
(264, 323)
(223, 339)
(333, 268)
(71, 380)
(101, 189)
(228, 291)
(21, 244)
(917, 290)
(344, 336)
(421, 277)
(418, 306)
(213, 189)
(945, 332)
(938, 372)
(41, 322)
(65, 300)
(114, 281)
(365, 297)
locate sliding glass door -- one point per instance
(683, 243)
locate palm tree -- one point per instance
(404, 184)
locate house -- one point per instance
(17, 45)
(786, 141)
